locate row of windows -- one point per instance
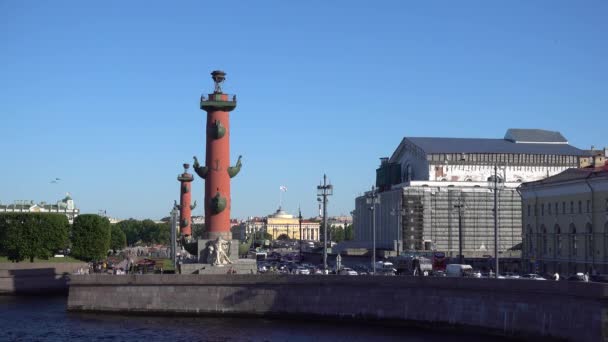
(554, 208)
(559, 237)
(511, 158)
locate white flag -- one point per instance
(283, 188)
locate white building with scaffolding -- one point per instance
(428, 182)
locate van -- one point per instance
(459, 270)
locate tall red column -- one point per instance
(185, 209)
(217, 170)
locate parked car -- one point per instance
(510, 275)
(302, 270)
(532, 276)
(347, 271)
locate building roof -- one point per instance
(570, 175)
(478, 145)
(522, 135)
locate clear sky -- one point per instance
(105, 95)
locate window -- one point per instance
(558, 238)
(574, 246)
(549, 208)
(544, 230)
(556, 208)
(542, 209)
(564, 208)
(529, 209)
(580, 207)
(590, 248)
(571, 207)
(588, 206)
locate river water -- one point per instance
(45, 319)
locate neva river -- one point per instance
(45, 319)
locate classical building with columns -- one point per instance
(429, 185)
(565, 220)
(281, 225)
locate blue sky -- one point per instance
(104, 95)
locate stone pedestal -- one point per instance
(238, 266)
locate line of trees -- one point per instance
(32, 235)
(41, 235)
(145, 232)
(338, 233)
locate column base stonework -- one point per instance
(214, 235)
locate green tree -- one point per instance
(118, 239)
(32, 235)
(162, 233)
(132, 229)
(90, 237)
(198, 230)
(349, 233)
(336, 233)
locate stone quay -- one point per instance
(519, 308)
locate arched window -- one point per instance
(589, 245)
(573, 244)
(558, 240)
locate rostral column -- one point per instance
(217, 170)
(185, 209)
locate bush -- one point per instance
(90, 237)
(32, 235)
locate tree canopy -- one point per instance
(32, 235)
(146, 231)
(91, 236)
(118, 238)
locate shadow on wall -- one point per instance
(37, 281)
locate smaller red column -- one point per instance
(185, 209)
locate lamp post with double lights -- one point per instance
(324, 190)
(372, 199)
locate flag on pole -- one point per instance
(283, 188)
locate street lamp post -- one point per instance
(460, 207)
(372, 199)
(173, 236)
(494, 183)
(300, 221)
(324, 190)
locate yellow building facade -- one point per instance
(565, 222)
(282, 225)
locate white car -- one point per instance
(302, 270)
(532, 276)
(348, 271)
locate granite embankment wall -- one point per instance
(575, 311)
(37, 277)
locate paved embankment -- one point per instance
(576, 311)
(37, 277)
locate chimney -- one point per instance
(383, 161)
